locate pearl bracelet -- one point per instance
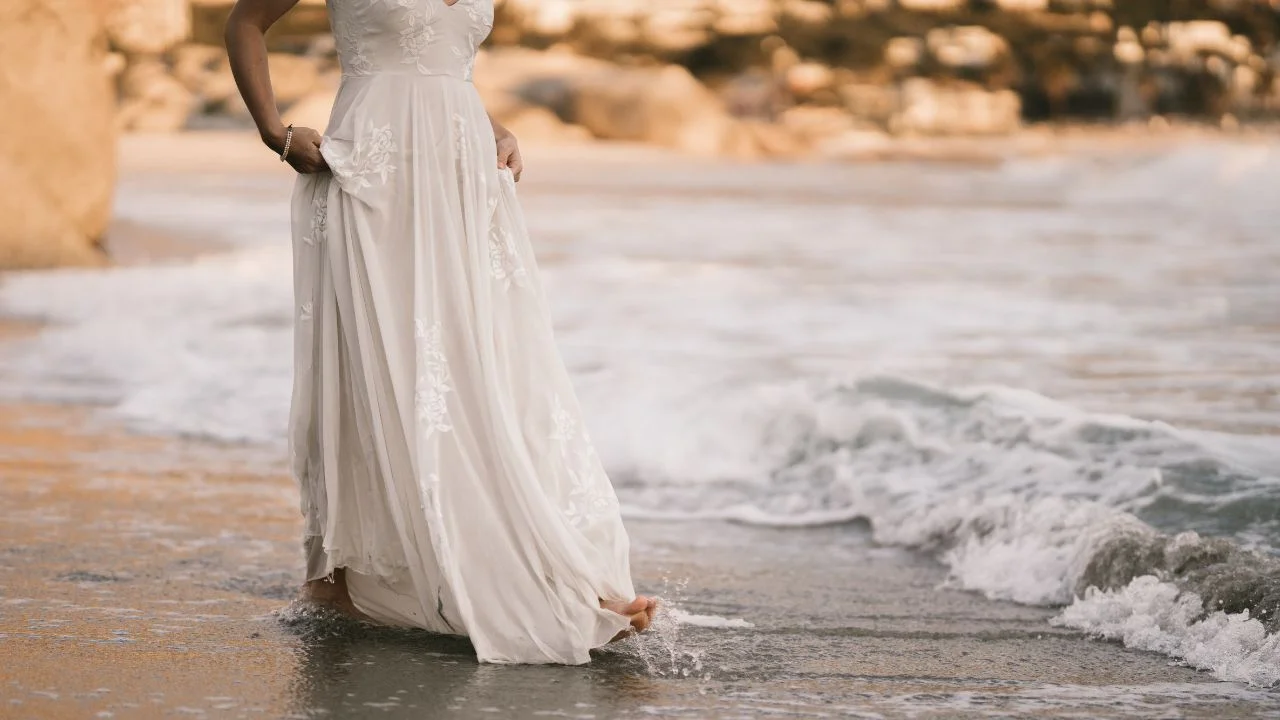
(288, 140)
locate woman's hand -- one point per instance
(508, 151)
(304, 151)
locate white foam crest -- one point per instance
(200, 348)
(1010, 548)
(687, 321)
(709, 621)
(1149, 614)
(1014, 490)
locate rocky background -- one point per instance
(57, 132)
(764, 77)
(739, 78)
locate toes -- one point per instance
(624, 608)
(651, 607)
(639, 612)
(640, 621)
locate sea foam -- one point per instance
(730, 351)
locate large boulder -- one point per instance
(930, 108)
(665, 106)
(151, 98)
(148, 27)
(662, 105)
(57, 137)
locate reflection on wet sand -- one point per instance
(146, 578)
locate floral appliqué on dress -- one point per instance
(369, 156)
(504, 262)
(319, 221)
(352, 52)
(434, 382)
(415, 37)
(481, 17)
(588, 498)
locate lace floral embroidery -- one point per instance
(370, 155)
(434, 383)
(354, 59)
(415, 37)
(504, 263)
(462, 152)
(588, 498)
(460, 141)
(319, 221)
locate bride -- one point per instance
(446, 476)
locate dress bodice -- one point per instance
(405, 37)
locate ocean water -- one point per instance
(1060, 376)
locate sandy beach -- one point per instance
(148, 578)
(150, 549)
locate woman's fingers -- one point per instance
(304, 153)
(509, 155)
(308, 161)
(321, 163)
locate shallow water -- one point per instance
(806, 344)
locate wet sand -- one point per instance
(147, 578)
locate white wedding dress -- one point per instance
(435, 435)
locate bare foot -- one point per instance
(333, 593)
(641, 611)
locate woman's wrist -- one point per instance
(274, 137)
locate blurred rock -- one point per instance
(782, 59)
(152, 99)
(195, 65)
(806, 79)
(550, 17)
(1127, 49)
(904, 53)
(1187, 39)
(813, 123)
(1023, 5)
(965, 47)
(293, 77)
(808, 12)
(148, 27)
(929, 108)
(1097, 59)
(539, 125)
(57, 137)
(113, 64)
(745, 17)
(873, 102)
(664, 106)
(933, 5)
(855, 145)
(675, 29)
(773, 139)
(312, 111)
(755, 93)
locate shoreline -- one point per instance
(169, 589)
(239, 149)
(160, 565)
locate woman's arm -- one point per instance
(508, 149)
(247, 49)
